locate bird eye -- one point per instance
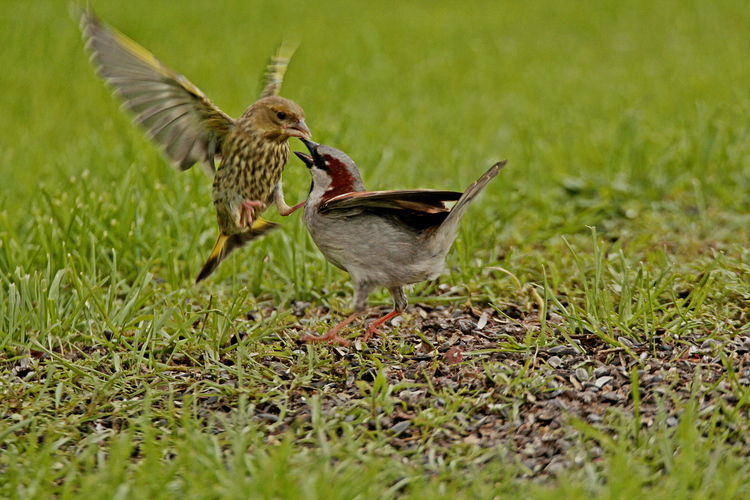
(281, 115)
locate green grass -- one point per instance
(622, 213)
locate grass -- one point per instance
(622, 219)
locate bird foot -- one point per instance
(333, 333)
(368, 333)
(375, 325)
(247, 212)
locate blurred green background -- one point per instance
(420, 93)
(611, 114)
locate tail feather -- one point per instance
(226, 244)
(446, 233)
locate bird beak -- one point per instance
(310, 144)
(313, 148)
(306, 158)
(298, 129)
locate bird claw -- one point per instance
(247, 212)
(375, 325)
(333, 333)
(369, 332)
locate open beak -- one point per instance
(306, 158)
(298, 129)
(310, 144)
(314, 156)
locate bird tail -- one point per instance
(445, 235)
(226, 244)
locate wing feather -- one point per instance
(419, 209)
(276, 69)
(187, 126)
(416, 200)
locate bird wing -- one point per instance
(417, 209)
(176, 114)
(416, 200)
(276, 69)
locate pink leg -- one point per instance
(333, 333)
(373, 328)
(248, 208)
(291, 210)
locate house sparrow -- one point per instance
(381, 238)
(252, 150)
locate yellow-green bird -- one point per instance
(251, 151)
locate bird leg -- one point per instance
(399, 306)
(373, 328)
(247, 211)
(333, 333)
(284, 209)
(361, 290)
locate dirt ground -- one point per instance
(471, 367)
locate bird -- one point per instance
(381, 238)
(244, 156)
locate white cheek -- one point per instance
(321, 181)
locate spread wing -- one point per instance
(175, 113)
(419, 208)
(277, 68)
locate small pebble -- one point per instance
(602, 381)
(561, 404)
(554, 361)
(594, 418)
(626, 342)
(401, 426)
(562, 349)
(545, 417)
(709, 343)
(555, 468)
(466, 326)
(267, 416)
(610, 396)
(482, 320)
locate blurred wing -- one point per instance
(425, 201)
(277, 68)
(176, 114)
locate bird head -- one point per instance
(277, 118)
(333, 172)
